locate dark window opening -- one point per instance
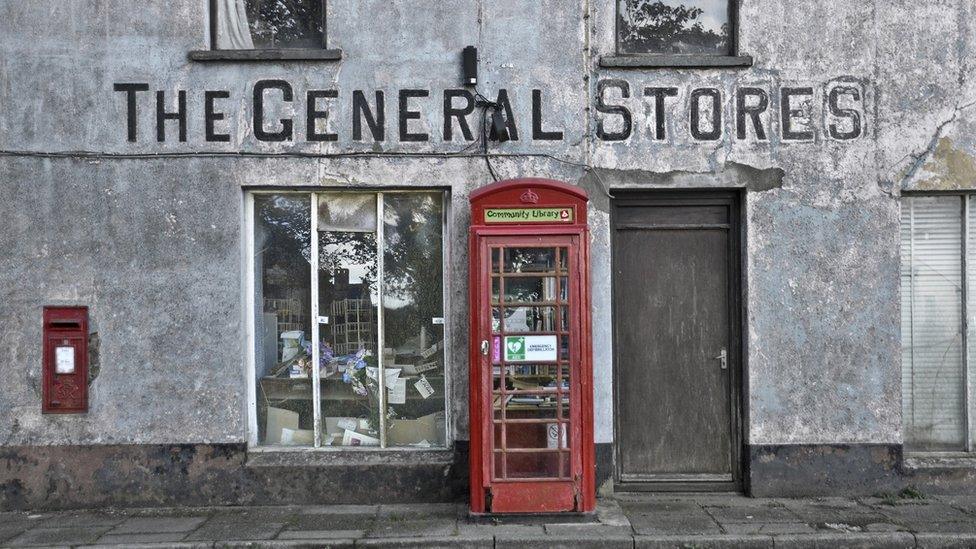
(269, 24)
(267, 30)
(676, 33)
(674, 27)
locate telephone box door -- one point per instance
(529, 332)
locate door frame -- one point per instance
(733, 199)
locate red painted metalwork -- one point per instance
(511, 470)
(65, 341)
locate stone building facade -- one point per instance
(140, 152)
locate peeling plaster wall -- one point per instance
(153, 245)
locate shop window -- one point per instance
(676, 33)
(350, 353)
(938, 268)
(271, 30)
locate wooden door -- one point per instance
(675, 288)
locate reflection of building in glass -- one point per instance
(353, 315)
(281, 315)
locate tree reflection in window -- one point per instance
(285, 23)
(673, 26)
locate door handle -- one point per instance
(484, 347)
(723, 359)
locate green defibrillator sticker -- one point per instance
(514, 348)
(528, 215)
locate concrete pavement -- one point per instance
(627, 521)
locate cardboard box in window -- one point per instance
(278, 421)
(403, 432)
(338, 425)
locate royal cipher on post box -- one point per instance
(65, 360)
(531, 389)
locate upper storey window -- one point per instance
(269, 24)
(676, 33)
(674, 26)
(267, 30)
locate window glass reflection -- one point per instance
(673, 26)
(348, 296)
(413, 334)
(283, 364)
(265, 24)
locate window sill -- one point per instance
(266, 55)
(283, 456)
(954, 460)
(663, 61)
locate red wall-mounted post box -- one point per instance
(65, 375)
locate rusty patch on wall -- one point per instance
(948, 169)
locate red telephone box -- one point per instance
(531, 379)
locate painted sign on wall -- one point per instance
(834, 109)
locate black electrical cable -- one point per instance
(486, 104)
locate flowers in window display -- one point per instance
(354, 364)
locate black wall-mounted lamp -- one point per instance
(499, 129)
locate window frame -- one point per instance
(967, 200)
(732, 59)
(250, 310)
(266, 54)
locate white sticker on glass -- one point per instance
(424, 387)
(530, 348)
(64, 360)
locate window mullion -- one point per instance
(381, 368)
(316, 374)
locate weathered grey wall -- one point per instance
(153, 245)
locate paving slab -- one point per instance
(321, 534)
(655, 505)
(130, 539)
(148, 525)
(436, 527)
(281, 544)
(844, 527)
(323, 521)
(611, 513)
(78, 519)
(834, 510)
(341, 509)
(427, 543)
(962, 502)
(922, 513)
(16, 518)
(418, 510)
(8, 532)
(490, 531)
(968, 527)
(560, 542)
(884, 527)
(885, 540)
(234, 531)
(768, 528)
(153, 545)
(928, 539)
(704, 542)
(58, 536)
(693, 521)
(588, 530)
(768, 512)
